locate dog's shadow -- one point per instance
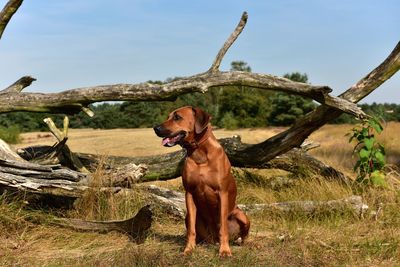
(177, 239)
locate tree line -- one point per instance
(230, 107)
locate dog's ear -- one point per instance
(201, 120)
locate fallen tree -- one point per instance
(60, 181)
(136, 227)
(169, 166)
(174, 202)
(277, 151)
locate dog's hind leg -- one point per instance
(238, 224)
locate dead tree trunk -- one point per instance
(174, 202)
(76, 100)
(8, 11)
(244, 155)
(136, 227)
(169, 166)
(59, 181)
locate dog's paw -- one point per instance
(188, 249)
(225, 252)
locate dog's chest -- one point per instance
(199, 175)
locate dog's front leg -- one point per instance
(224, 249)
(190, 223)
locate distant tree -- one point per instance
(215, 99)
(297, 77)
(240, 66)
(287, 108)
(240, 107)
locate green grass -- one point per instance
(10, 135)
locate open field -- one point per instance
(130, 142)
(323, 239)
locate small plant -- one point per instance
(370, 152)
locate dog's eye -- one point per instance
(177, 117)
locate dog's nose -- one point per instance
(157, 129)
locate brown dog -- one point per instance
(212, 214)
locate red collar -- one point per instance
(201, 138)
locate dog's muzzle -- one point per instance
(168, 138)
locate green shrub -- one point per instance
(371, 154)
(229, 122)
(10, 135)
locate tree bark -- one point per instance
(303, 127)
(136, 227)
(76, 100)
(169, 166)
(353, 202)
(174, 202)
(7, 153)
(243, 155)
(8, 11)
(58, 181)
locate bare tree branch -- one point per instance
(61, 135)
(8, 11)
(72, 101)
(75, 100)
(303, 127)
(19, 85)
(375, 78)
(232, 38)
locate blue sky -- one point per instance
(76, 43)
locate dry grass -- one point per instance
(337, 151)
(324, 239)
(96, 204)
(129, 142)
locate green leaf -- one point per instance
(380, 157)
(378, 178)
(369, 142)
(374, 123)
(364, 132)
(364, 154)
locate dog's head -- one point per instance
(182, 125)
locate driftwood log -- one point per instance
(169, 166)
(136, 227)
(7, 153)
(60, 181)
(72, 159)
(8, 11)
(271, 152)
(307, 206)
(174, 202)
(76, 100)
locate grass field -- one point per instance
(323, 239)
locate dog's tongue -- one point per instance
(165, 141)
(170, 141)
